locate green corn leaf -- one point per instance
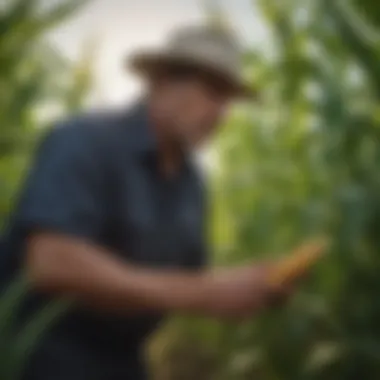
(29, 336)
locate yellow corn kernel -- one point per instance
(299, 262)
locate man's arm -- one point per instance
(95, 277)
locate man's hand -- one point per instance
(243, 291)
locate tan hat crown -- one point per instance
(214, 45)
(214, 49)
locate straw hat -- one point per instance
(213, 50)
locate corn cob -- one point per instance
(299, 263)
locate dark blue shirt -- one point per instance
(97, 178)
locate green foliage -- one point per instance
(303, 161)
(369, 10)
(33, 78)
(16, 345)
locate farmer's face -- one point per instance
(195, 107)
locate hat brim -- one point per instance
(150, 62)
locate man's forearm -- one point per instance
(96, 277)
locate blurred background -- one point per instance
(302, 161)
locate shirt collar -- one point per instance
(144, 139)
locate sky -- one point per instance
(119, 27)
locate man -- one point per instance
(113, 216)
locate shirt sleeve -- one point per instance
(64, 190)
